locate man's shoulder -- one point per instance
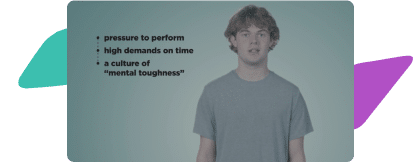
(222, 81)
(280, 82)
(227, 81)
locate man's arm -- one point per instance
(207, 150)
(296, 152)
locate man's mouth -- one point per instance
(254, 50)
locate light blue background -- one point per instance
(151, 119)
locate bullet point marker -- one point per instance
(97, 50)
(97, 63)
(97, 37)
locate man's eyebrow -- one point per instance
(263, 30)
(246, 30)
(243, 30)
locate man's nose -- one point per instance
(254, 39)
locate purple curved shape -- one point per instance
(372, 82)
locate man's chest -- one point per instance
(257, 106)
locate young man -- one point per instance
(251, 114)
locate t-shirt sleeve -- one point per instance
(300, 123)
(205, 124)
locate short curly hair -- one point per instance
(252, 15)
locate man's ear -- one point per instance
(273, 43)
(232, 40)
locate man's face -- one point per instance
(252, 44)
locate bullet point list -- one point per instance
(97, 50)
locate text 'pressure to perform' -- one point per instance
(143, 38)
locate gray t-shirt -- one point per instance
(252, 121)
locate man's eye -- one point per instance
(262, 35)
(246, 35)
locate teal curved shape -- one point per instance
(49, 65)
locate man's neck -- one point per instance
(252, 73)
